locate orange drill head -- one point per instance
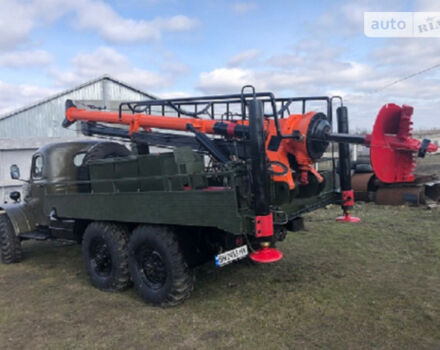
(304, 148)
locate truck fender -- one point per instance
(20, 215)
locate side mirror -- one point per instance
(15, 172)
(15, 196)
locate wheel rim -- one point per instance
(100, 257)
(151, 267)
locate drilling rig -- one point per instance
(279, 149)
(242, 171)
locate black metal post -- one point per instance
(344, 150)
(258, 157)
(347, 192)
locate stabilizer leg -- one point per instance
(345, 169)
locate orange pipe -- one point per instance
(141, 120)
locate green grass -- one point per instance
(339, 286)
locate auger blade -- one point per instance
(393, 150)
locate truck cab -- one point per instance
(51, 164)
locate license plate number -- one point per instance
(231, 255)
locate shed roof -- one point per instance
(79, 87)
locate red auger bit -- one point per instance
(393, 150)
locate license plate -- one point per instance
(231, 255)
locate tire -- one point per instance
(157, 266)
(101, 150)
(9, 242)
(362, 168)
(104, 250)
(104, 150)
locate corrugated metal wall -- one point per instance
(44, 120)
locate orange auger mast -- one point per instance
(278, 144)
(146, 121)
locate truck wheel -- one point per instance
(104, 150)
(9, 242)
(104, 249)
(157, 266)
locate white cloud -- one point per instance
(179, 23)
(19, 18)
(427, 5)
(175, 68)
(286, 61)
(105, 60)
(411, 53)
(225, 80)
(101, 60)
(17, 59)
(306, 70)
(13, 96)
(243, 57)
(100, 17)
(16, 21)
(148, 80)
(244, 7)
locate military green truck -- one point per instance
(149, 219)
(131, 200)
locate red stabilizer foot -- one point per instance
(348, 218)
(266, 255)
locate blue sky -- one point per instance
(177, 48)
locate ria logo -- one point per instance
(431, 24)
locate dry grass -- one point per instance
(429, 165)
(340, 286)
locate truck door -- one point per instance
(38, 181)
